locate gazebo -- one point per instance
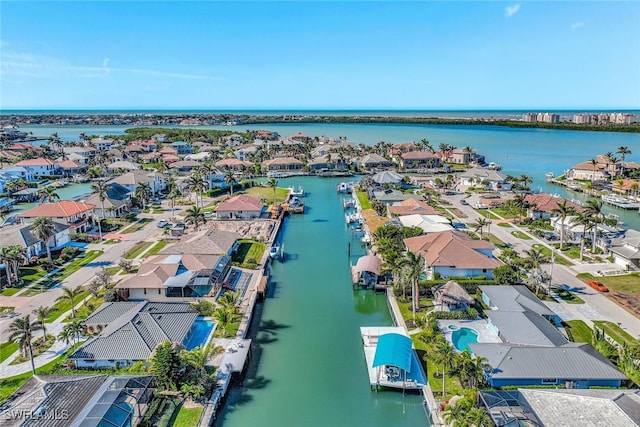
(366, 271)
(452, 296)
(386, 177)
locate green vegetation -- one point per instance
(266, 194)
(626, 283)
(178, 134)
(113, 270)
(137, 249)
(136, 226)
(578, 331)
(31, 274)
(188, 417)
(156, 248)
(486, 213)
(547, 253)
(520, 235)
(7, 292)
(616, 333)
(363, 199)
(504, 224)
(39, 346)
(568, 297)
(162, 411)
(571, 251)
(249, 253)
(64, 305)
(7, 349)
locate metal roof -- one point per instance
(394, 350)
(525, 327)
(515, 298)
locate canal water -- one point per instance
(308, 366)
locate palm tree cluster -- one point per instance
(465, 413)
(12, 257)
(227, 312)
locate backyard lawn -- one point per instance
(520, 235)
(64, 305)
(578, 331)
(188, 417)
(266, 193)
(248, 250)
(7, 349)
(364, 200)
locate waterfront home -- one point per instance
(390, 196)
(451, 296)
(129, 332)
(267, 134)
(322, 150)
(246, 150)
(452, 253)
(102, 144)
(415, 160)
(160, 138)
(200, 157)
(586, 171)
(626, 250)
(26, 195)
(533, 351)
(184, 165)
(22, 236)
(79, 400)
(181, 147)
(233, 164)
(10, 173)
(73, 153)
(115, 155)
(24, 148)
(542, 205)
(168, 151)
(411, 206)
(75, 214)
(398, 149)
(485, 178)
(366, 271)
(40, 166)
(387, 177)
(240, 207)
(210, 241)
(428, 223)
(116, 202)
(626, 187)
(234, 140)
(554, 407)
(130, 180)
(166, 278)
(152, 157)
(371, 161)
(282, 164)
(70, 168)
(299, 136)
(122, 165)
(575, 231)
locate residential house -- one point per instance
(201, 156)
(428, 223)
(419, 160)
(86, 153)
(20, 235)
(184, 165)
(233, 164)
(122, 165)
(398, 149)
(411, 206)
(102, 144)
(70, 168)
(18, 172)
(452, 253)
(245, 151)
(267, 134)
(234, 140)
(541, 205)
(125, 336)
(160, 138)
(282, 164)
(157, 181)
(79, 400)
(485, 178)
(116, 203)
(152, 157)
(40, 166)
(299, 136)
(169, 150)
(626, 250)
(75, 214)
(240, 207)
(390, 196)
(586, 171)
(451, 296)
(371, 161)
(181, 147)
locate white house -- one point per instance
(40, 166)
(487, 178)
(19, 235)
(626, 250)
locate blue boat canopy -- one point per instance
(393, 350)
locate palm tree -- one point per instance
(22, 330)
(48, 194)
(444, 354)
(562, 212)
(101, 189)
(195, 215)
(41, 313)
(44, 229)
(273, 183)
(5, 258)
(196, 184)
(587, 224)
(594, 164)
(225, 318)
(71, 331)
(143, 193)
(414, 264)
(536, 257)
(393, 263)
(593, 209)
(199, 356)
(17, 255)
(70, 294)
(230, 179)
(479, 225)
(173, 195)
(229, 300)
(623, 151)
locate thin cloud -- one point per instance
(577, 25)
(509, 11)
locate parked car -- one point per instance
(464, 202)
(598, 286)
(551, 236)
(163, 223)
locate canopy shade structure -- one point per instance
(387, 177)
(394, 350)
(368, 263)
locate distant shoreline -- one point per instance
(190, 119)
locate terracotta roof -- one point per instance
(206, 242)
(547, 202)
(241, 202)
(61, 209)
(452, 249)
(168, 150)
(412, 206)
(232, 162)
(69, 164)
(588, 166)
(282, 161)
(36, 162)
(417, 155)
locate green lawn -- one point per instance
(547, 252)
(568, 297)
(75, 265)
(486, 213)
(578, 331)
(494, 240)
(364, 200)
(504, 224)
(248, 250)
(137, 249)
(31, 274)
(626, 283)
(113, 270)
(7, 349)
(614, 331)
(64, 305)
(266, 193)
(7, 292)
(156, 248)
(136, 226)
(188, 417)
(520, 235)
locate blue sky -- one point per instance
(319, 55)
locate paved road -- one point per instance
(110, 257)
(598, 306)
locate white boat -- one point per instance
(549, 176)
(494, 166)
(299, 192)
(345, 187)
(274, 251)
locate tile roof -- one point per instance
(241, 202)
(69, 164)
(515, 298)
(547, 202)
(30, 239)
(142, 329)
(205, 242)
(232, 162)
(60, 209)
(36, 162)
(525, 327)
(412, 206)
(452, 249)
(282, 161)
(419, 155)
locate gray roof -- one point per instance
(142, 328)
(206, 242)
(525, 327)
(483, 173)
(627, 246)
(110, 311)
(30, 239)
(515, 298)
(387, 177)
(572, 361)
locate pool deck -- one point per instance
(485, 334)
(376, 375)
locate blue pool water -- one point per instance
(463, 337)
(199, 333)
(119, 414)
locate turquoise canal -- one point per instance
(307, 366)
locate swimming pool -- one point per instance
(199, 334)
(463, 337)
